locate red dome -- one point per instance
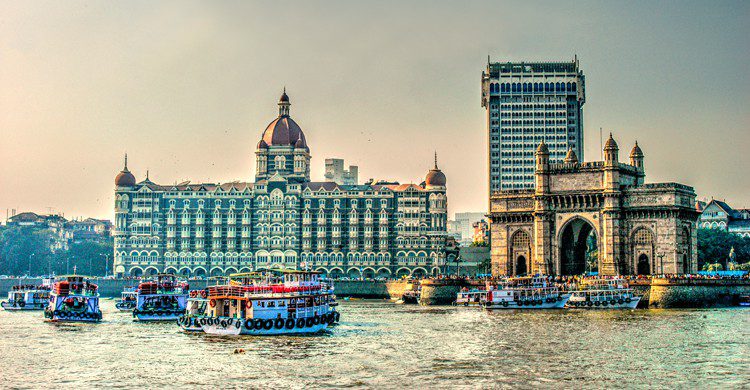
(283, 131)
(125, 178)
(435, 177)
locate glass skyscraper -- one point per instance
(528, 102)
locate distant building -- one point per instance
(63, 231)
(481, 233)
(526, 103)
(462, 227)
(282, 220)
(719, 215)
(336, 173)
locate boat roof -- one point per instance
(73, 276)
(246, 275)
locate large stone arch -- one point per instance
(368, 273)
(643, 241)
(419, 272)
(150, 271)
(170, 270)
(336, 273)
(572, 245)
(519, 252)
(384, 272)
(354, 273)
(199, 272)
(403, 271)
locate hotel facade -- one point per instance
(382, 229)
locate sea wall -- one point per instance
(440, 291)
(355, 288)
(696, 293)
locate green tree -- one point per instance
(24, 250)
(714, 246)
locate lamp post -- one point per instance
(30, 256)
(106, 263)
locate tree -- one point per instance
(714, 246)
(24, 250)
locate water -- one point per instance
(380, 344)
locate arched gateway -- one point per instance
(593, 217)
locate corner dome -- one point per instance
(542, 148)
(435, 177)
(636, 152)
(125, 178)
(611, 144)
(262, 145)
(571, 157)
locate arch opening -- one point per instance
(579, 248)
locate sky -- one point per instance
(186, 89)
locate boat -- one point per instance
(27, 297)
(73, 299)
(127, 299)
(531, 292)
(611, 293)
(327, 286)
(471, 297)
(161, 299)
(277, 303)
(195, 308)
(744, 300)
(410, 297)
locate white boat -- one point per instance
(196, 307)
(525, 293)
(473, 297)
(604, 294)
(128, 297)
(253, 304)
(27, 297)
(73, 299)
(163, 299)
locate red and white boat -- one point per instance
(73, 299)
(260, 305)
(611, 293)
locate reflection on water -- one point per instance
(379, 344)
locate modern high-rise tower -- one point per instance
(528, 102)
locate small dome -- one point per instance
(636, 152)
(571, 157)
(435, 177)
(125, 178)
(300, 144)
(262, 144)
(284, 97)
(542, 148)
(610, 144)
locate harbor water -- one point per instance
(381, 344)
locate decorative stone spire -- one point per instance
(436, 167)
(284, 104)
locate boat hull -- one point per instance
(11, 307)
(156, 316)
(188, 324)
(124, 307)
(557, 304)
(73, 317)
(583, 304)
(235, 327)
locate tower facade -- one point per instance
(527, 103)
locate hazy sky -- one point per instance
(186, 88)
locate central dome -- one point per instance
(284, 131)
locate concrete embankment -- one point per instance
(696, 293)
(440, 291)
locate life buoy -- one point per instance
(589, 303)
(22, 304)
(289, 323)
(248, 324)
(300, 322)
(278, 323)
(237, 324)
(597, 303)
(466, 303)
(628, 300)
(338, 316)
(258, 324)
(505, 303)
(268, 324)
(316, 320)
(620, 301)
(605, 303)
(204, 294)
(212, 302)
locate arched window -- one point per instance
(643, 237)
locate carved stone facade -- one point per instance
(593, 216)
